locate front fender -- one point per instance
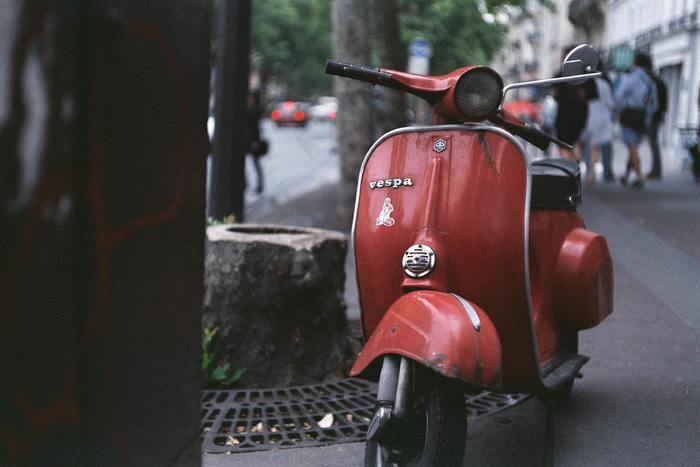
(434, 329)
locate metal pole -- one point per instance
(230, 97)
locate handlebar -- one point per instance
(358, 72)
(377, 76)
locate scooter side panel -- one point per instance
(434, 329)
(584, 280)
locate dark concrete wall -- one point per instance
(103, 109)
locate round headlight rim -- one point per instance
(498, 98)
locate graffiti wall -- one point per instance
(103, 109)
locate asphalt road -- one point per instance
(299, 161)
(638, 403)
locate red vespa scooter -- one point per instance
(475, 271)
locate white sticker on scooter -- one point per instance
(385, 216)
(440, 145)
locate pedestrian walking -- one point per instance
(636, 101)
(656, 121)
(597, 135)
(256, 146)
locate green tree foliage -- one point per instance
(456, 28)
(293, 38)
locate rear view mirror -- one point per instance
(581, 60)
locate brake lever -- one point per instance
(529, 133)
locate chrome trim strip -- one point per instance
(471, 312)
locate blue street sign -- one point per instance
(420, 47)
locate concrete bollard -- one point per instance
(276, 294)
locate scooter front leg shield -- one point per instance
(441, 331)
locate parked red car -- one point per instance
(290, 113)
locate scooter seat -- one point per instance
(556, 184)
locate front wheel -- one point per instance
(433, 434)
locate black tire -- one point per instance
(435, 434)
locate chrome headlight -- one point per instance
(478, 93)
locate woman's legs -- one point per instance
(636, 163)
(633, 163)
(259, 171)
(632, 139)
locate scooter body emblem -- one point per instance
(385, 215)
(440, 145)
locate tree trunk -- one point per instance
(354, 117)
(392, 55)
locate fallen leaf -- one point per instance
(326, 421)
(257, 428)
(232, 441)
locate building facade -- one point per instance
(668, 31)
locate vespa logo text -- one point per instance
(391, 182)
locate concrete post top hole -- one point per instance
(270, 233)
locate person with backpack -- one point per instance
(636, 99)
(656, 121)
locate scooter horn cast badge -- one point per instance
(385, 216)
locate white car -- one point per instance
(324, 109)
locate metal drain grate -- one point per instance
(251, 420)
(262, 419)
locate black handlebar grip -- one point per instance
(358, 72)
(334, 67)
